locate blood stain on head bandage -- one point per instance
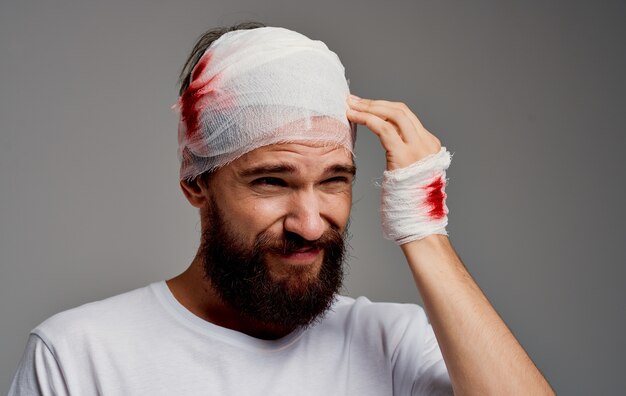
(190, 102)
(256, 87)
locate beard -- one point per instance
(242, 277)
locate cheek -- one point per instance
(254, 216)
(337, 208)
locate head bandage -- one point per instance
(256, 87)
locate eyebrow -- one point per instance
(339, 168)
(288, 168)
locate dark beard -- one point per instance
(241, 277)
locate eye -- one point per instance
(336, 184)
(336, 179)
(269, 181)
(339, 180)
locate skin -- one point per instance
(303, 188)
(481, 354)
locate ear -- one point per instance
(195, 191)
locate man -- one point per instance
(265, 142)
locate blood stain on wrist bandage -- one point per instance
(435, 197)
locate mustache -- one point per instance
(293, 243)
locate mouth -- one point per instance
(301, 256)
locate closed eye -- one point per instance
(269, 181)
(337, 179)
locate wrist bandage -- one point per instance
(255, 87)
(414, 199)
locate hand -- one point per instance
(402, 135)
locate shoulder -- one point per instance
(378, 320)
(98, 317)
(380, 328)
(403, 333)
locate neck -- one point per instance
(196, 293)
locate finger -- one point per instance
(390, 113)
(419, 135)
(395, 112)
(418, 124)
(386, 132)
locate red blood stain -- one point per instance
(191, 100)
(202, 64)
(435, 198)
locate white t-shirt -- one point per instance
(144, 342)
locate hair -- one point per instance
(205, 42)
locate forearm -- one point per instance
(481, 354)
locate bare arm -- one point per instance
(481, 354)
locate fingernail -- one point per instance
(355, 98)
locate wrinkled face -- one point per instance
(273, 230)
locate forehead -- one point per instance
(303, 155)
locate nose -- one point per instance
(304, 217)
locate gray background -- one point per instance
(530, 97)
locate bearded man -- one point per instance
(266, 137)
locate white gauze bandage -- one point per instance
(414, 199)
(256, 87)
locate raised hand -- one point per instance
(401, 133)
